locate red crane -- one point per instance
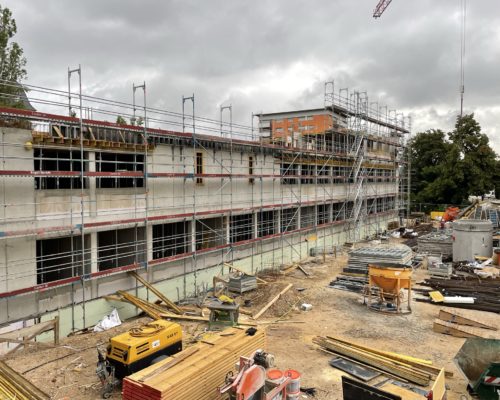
(380, 8)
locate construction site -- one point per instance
(153, 254)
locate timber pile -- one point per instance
(403, 367)
(15, 386)
(486, 292)
(197, 375)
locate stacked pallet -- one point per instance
(15, 386)
(404, 367)
(194, 373)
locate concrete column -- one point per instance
(92, 185)
(193, 235)
(149, 242)
(93, 252)
(93, 264)
(255, 221)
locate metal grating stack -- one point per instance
(439, 242)
(242, 284)
(360, 258)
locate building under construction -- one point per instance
(177, 197)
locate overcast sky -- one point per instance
(271, 55)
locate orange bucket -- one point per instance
(275, 376)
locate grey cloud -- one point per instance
(226, 51)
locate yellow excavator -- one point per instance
(137, 349)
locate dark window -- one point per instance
(199, 167)
(120, 247)
(286, 171)
(266, 223)
(120, 162)
(324, 173)
(210, 232)
(307, 171)
(61, 258)
(241, 227)
(58, 160)
(289, 219)
(323, 214)
(307, 216)
(171, 239)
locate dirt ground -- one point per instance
(68, 372)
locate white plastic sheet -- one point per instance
(108, 322)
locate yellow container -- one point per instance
(436, 214)
(390, 279)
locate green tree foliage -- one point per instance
(12, 62)
(120, 120)
(447, 169)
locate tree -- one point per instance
(120, 120)
(136, 121)
(477, 157)
(12, 63)
(447, 169)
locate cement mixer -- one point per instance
(479, 360)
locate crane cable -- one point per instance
(463, 10)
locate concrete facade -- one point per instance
(118, 222)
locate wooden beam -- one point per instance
(274, 300)
(177, 358)
(461, 318)
(246, 273)
(158, 294)
(455, 330)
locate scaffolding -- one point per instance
(99, 198)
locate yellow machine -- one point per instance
(137, 349)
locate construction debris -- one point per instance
(15, 386)
(456, 330)
(484, 293)
(274, 300)
(198, 375)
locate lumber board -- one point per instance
(395, 356)
(456, 330)
(177, 358)
(394, 367)
(158, 294)
(274, 300)
(199, 375)
(461, 318)
(18, 386)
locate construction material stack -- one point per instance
(198, 371)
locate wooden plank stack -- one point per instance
(15, 386)
(197, 375)
(394, 364)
